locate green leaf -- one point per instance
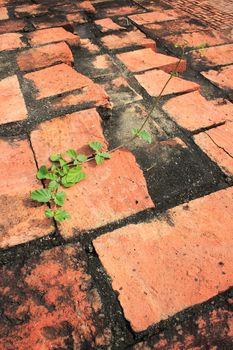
(65, 183)
(65, 169)
(51, 176)
(42, 172)
(95, 145)
(81, 158)
(55, 157)
(99, 159)
(62, 162)
(135, 132)
(49, 213)
(75, 175)
(146, 136)
(105, 155)
(61, 215)
(72, 153)
(53, 185)
(59, 198)
(43, 195)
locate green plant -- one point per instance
(66, 173)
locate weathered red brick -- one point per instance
(67, 132)
(172, 263)
(221, 77)
(214, 56)
(50, 301)
(122, 188)
(118, 10)
(52, 35)
(56, 80)
(156, 16)
(32, 10)
(44, 56)
(93, 95)
(192, 111)
(87, 6)
(154, 80)
(79, 18)
(12, 26)
(119, 181)
(50, 21)
(3, 13)
(12, 102)
(107, 25)
(21, 220)
(144, 59)
(89, 46)
(124, 39)
(206, 326)
(99, 65)
(217, 144)
(205, 37)
(11, 41)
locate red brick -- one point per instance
(76, 18)
(214, 56)
(12, 102)
(122, 188)
(107, 25)
(44, 56)
(87, 6)
(172, 263)
(3, 13)
(192, 111)
(221, 77)
(56, 80)
(176, 26)
(120, 10)
(119, 181)
(209, 327)
(99, 65)
(12, 26)
(67, 132)
(32, 10)
(21, 220)
(93, 95)
(141, 60)
(89, 46)
(11, 41)
(52, 35)
(124, 39)
(207, 38)
(50, 301)
(154, 80)
(156, 16)
(217, 144)
(50, 21)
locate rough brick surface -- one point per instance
(125, 39)
(217, 144)
(11, 41)
(142, 60)
(221, 77)
(21, 220)
(213, 56)
(170, 264)
(24, 10)
(154, 80)
(107, 25)
(192, 111)
(12, 26)
(118, 10)
(49, 302)
(91, 95)
(3, 13)
(12, 102)
(45, 56)
(52, 35)
(207, 38)
(209, 326)
(56, 80)
(88, 45)
(156, 16)
(126, 195)
(71, 131)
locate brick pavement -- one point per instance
(145, 260)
